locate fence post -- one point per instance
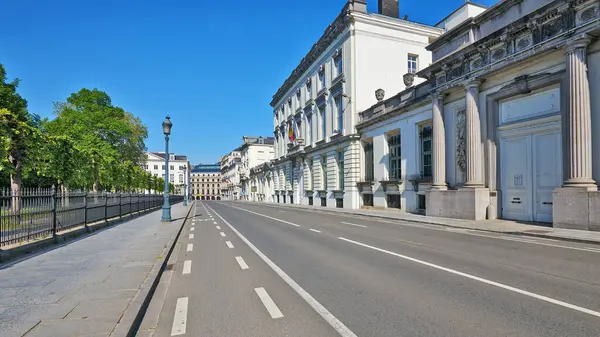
(85, 211)
(54, 220)
(120, 209)
(139, 211)
(105, 206)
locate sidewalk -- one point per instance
(498, 226)
(90, 286)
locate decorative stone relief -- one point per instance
(552, 28)
(409, 79)
(477, 64)
(461, 145)
(380, 95)
(523, 42)
(498, 54)
(441, 80)
(588, 14)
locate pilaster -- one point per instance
(473, 134)
(439, 144)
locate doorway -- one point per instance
(530, 171)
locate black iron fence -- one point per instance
(37, 213)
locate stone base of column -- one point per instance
(576, 208)
(439, 187)
(467, 203)
(585, 184)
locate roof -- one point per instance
(162, 155)
(468, 2)
(207, 168)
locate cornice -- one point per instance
(396, 24)
(333, 30)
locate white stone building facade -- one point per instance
(318, 162)
(503, 127)
(206, 182)
(179, 168)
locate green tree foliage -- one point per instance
(110, 138)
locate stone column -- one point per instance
(439, 144)
(473, 134)
(579, 130)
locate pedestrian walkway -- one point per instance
(84, 287)
(499, 226)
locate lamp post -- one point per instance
(166, 209)
(185, 201)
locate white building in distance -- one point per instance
(179, 168)
(315, 111)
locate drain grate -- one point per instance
(170, 266)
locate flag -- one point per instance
(292, 132)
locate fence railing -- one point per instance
(35, 213)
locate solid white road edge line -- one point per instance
(268, 303)
(480, 279)
(241, 262)
(191, 236)
(318, 307)
(316, 231)
(353, 224)
(180, 319)
(187, 267)
(223, 234)
(229, 244)
(190, 247)
(266, 216)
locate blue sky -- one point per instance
(212, 65)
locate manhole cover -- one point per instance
(170, 266)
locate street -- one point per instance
(248, 269)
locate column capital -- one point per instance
(577, 42)
(473, 83)
(438, 95)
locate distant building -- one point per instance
(179, 168)
(236, 166)
(206, 182)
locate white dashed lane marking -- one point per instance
(268, 303)
(241, 262)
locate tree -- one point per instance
(109, 137)
(20, 134)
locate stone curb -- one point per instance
(134, 313)
(61, 238)
(429, 222)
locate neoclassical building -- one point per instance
(503, 125)
(315, 111)
(206, 182)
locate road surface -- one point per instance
(248, 269)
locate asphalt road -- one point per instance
(310, 273)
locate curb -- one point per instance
(134, 313)
(516, 233)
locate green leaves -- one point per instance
(90, 144)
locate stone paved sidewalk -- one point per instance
(83, 287)
(500, 226)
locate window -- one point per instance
(421, 202)
(321, 79)
(171, 167)
(393, 200)
(339, 65)
(323, 201)
(324, 172)
(369, 163)
(309, 89)
(181, 178)
(310, 201)
(323, 122)
(339, 202)
(395, 156)
(156, 167)
(146, 167)
(341, 170)
(171, 157)
(172, 177)
(163, 167)
(340, 113)
(309, 129)
(163, 176)
(367, 200)
(412, 63)
(298, 96)
(261, 141)
(425, 136)
(310, 173)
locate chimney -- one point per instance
(389, 8)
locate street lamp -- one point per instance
(166, 209)
(184, 187)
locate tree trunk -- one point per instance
(15, 184)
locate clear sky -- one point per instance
(212, 65)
